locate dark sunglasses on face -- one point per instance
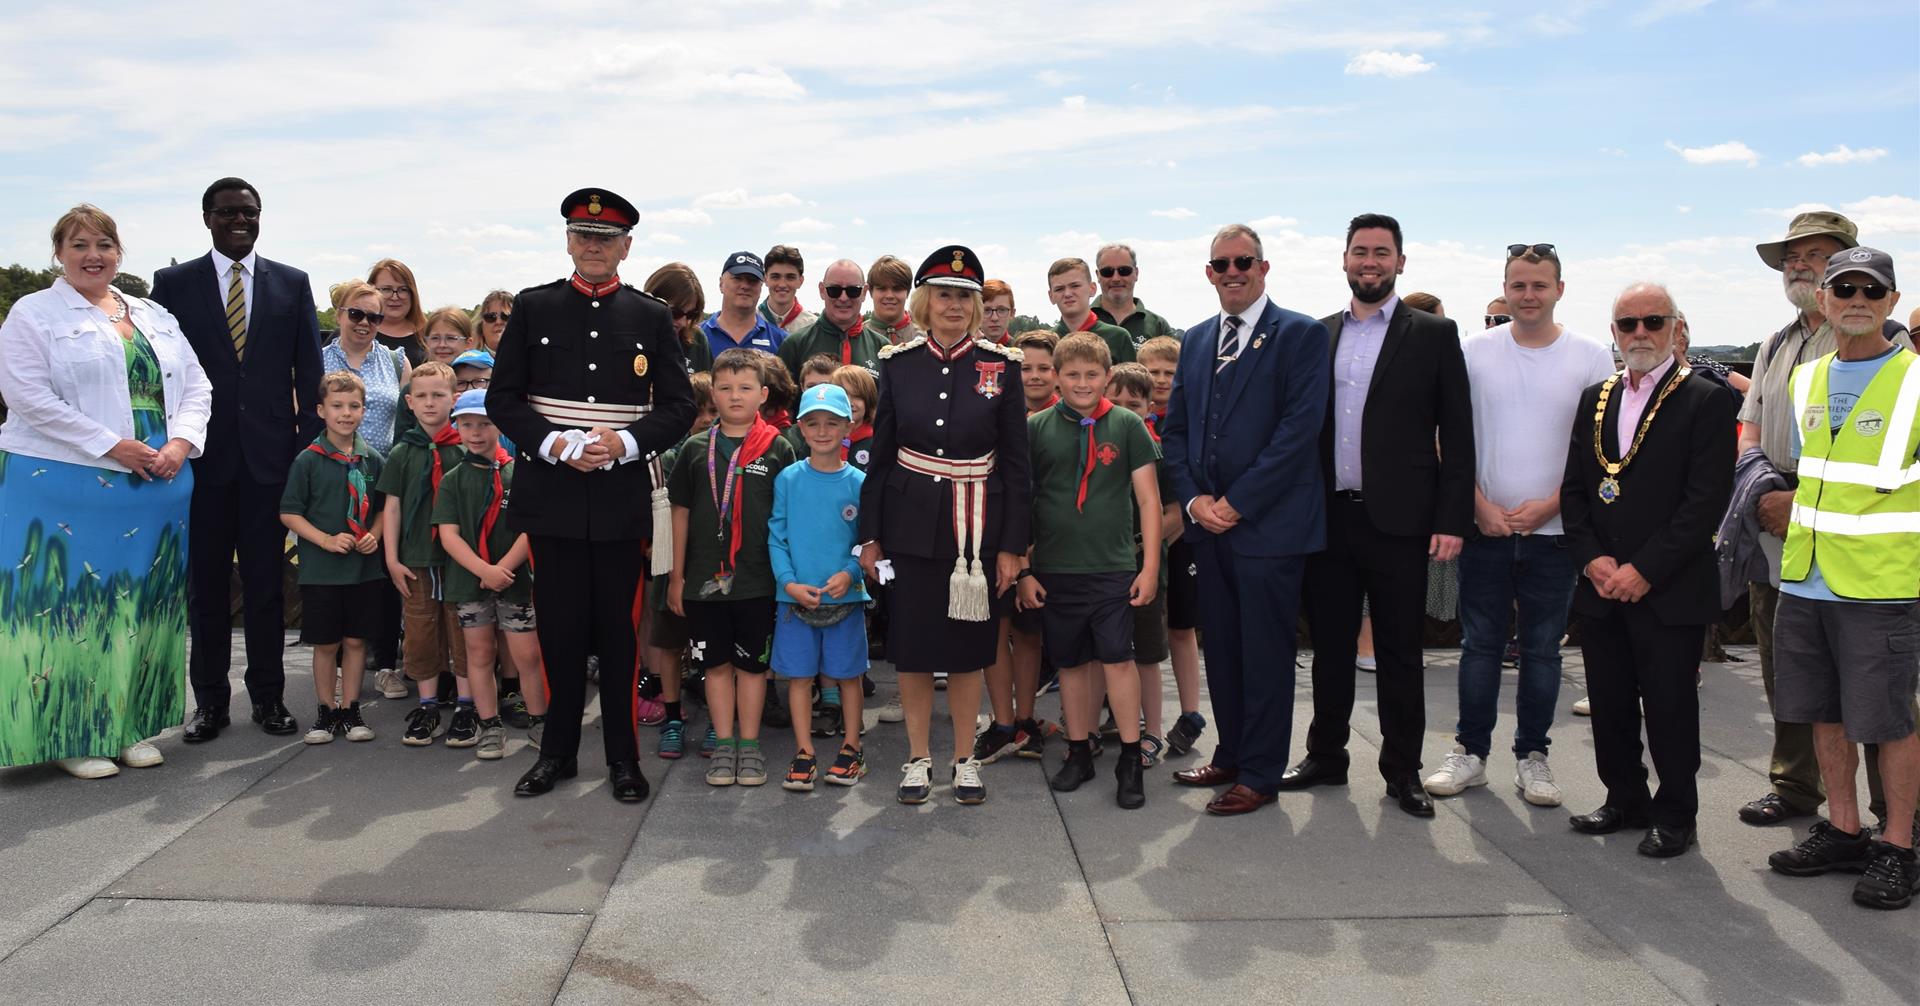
(230, 212)
(849, 292)
(679, 315)
(1654, 323)
(1110, 271)
(1515, 251)
(357, 316)
(492, 316)
(1845, 291)
(1244, 263)
(1498, 319)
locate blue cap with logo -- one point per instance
(745, 263)
(1869, 261)
(474, 358)
(829, 397)
(470, 403)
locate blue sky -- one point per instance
(1647, 139)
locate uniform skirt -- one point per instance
(921, 639)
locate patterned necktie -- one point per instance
(237, 313)
(1229, 343)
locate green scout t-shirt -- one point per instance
(823, 336)
(1119, 341)
(407, 481)
(466, 491)
(1096, 538)
(689, 487)
(317, 490)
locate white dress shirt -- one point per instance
(1249, 320)
(223, 275)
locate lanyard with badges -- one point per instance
(722, 490)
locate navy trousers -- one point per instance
(1248, 607)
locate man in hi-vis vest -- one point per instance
(1847, 634)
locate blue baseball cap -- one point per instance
(470, 403)
(474, 358)
(830, 397)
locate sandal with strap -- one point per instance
(802, 773)
(1770, 809)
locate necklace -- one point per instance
(119, 316)
(1610, 485)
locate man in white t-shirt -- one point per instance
(1526, 376)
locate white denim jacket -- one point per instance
(63, 374)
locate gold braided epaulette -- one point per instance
(901, 347)
(1013, 353)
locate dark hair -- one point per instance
(1422, 301)
(1366, 221)
(781, 391)
(819, 363)
(732, 360)
(226, 185)
(1132, 378)
(785, 255)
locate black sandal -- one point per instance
(1770, 809)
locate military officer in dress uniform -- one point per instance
(946, 502)
(590, 381)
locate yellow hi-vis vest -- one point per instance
(1858, 505)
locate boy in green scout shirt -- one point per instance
(484, 582)
(330, 503)
(410, 482)
(722, 580)
(1083, 577)
(1130, 387)
(1070, 288)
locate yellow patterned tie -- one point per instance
(237, 313)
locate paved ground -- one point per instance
(254, 870)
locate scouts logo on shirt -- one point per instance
(989, 384)
(860, 457)
(1868, 423)
(756, 468)
(1107, 453)
(849, 512)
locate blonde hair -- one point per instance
(455, 316)
(1082, 346)
(1160, 347)
(346, 293)
(431, 368)
(858, 384)
(89, 217)
(920, 309)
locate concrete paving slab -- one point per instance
(224, 952)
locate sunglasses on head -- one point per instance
(1515, 251)
(849, 292)
(1654, 323)
(1110, 271)
(493, 316)
(1244, 263)
(1845, 291)
(357, 316)
(1498, 319)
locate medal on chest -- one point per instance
(990, 373)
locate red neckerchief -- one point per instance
(948, 355)
(1080, 501)
(1153, 423)
(595, 289)
(446, 437)
(893, 331)
(846, 341)
(864, 431)
(357, 502)
(1051, 401)
(758, 439)
(500, 461)
(780, 419)
(1087, 326)
(795, 313)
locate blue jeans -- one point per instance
(1535, 572)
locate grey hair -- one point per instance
(1117, 246)
(1647, 284)
(1239, 231)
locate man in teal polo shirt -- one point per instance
(1070, 288)
(1119, 271)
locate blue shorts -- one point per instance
(838, 651)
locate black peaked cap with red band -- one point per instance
(954, 265)
(598, 211)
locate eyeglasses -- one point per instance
(446, 339)
(999, 312)
(231, 212)
(1654, 323)
(1811, 258)
(1498, 319)
(492, 316)
(469, 385)
(1542, 250)
(394, 291)
(1110, 271)
(1244, 263)
(849, 292)
(357, 316)
(1845, 291)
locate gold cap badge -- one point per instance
(959, 262)
(593, 204)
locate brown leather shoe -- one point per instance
(1239, 800)
(1206, 775)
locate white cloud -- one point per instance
(1874, 215)
(1841, 154)
(1730, 152)
(1613, 151)
(1176, 213)
(741, 199)
(1075, 101)
(1056, 78)
(676, 217)
(804, 225)
(1683, 209)
(1387, 64)
(1660, 10)
(1273, 223)
(858, 221)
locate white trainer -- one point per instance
(1584, 707)
(891, 712)
(1535, 780)
(141, 755)
(1458, 772)
(89, 768)
(392, 683)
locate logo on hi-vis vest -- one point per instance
(1815, 415)
(1869, 422)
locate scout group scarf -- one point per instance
(792, 314)
(846, 340)
(1080, 501)
(356, 484)
(595, 289)
(1153, 426)
(430, 486)
(758, 439)
(1052, 400)
(864, 431)
(499, 497)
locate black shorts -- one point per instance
(1150, 630)
(332, 612)
(1183, 586)
(1086, 618)
(1027, 620)
(735, 632)
(665, 630)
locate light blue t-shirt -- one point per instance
(814, 528)
(1847, 380)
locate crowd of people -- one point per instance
(714, 498)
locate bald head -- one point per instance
(843, 274)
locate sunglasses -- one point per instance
(492, 316)
(357, 316)
(1110, 271)
(849, 292)
(1845, 291)
(1515, 251)
(1654, 323)
(1498, 319)
(1244, 263)
(679, 315)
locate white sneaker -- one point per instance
(968, 787)
(1584, 707)
(141, 755)
(1459, 771)
(916, 781)
(391, 683)
(891, 712)
(940, 681)
(89, 768)
(1535, 780)
(1367, 664)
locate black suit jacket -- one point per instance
(265, 408)
(1419, 387)
(1671, 499)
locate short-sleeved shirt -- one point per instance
(1119, 341)
(407, 482)
(466, 491)
(317, 490)
(1096, 537)
(383, 371)
(765, 336)
(688, 486)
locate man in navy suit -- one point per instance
(252, 324)
(1241, 441)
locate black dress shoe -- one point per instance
(629, 785)
(1607, 820)
(1412, 796)
(1663, 843)
(544, 773)
(1313, 772)
(1130, 790)
(274, 718)
(205, 725)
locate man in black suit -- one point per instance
(251, 322)
(1399, 388)
(1649, 473)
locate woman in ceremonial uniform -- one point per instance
(946, 504)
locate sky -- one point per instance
(1646, 139)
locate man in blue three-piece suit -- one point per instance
(1241, 442)
(252, 324)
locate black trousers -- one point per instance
(241, 516)
(584, 592)
(1248, 606)
(1633, 661)
(1391, 572)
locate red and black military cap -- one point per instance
(598, 211)
(954, 265)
